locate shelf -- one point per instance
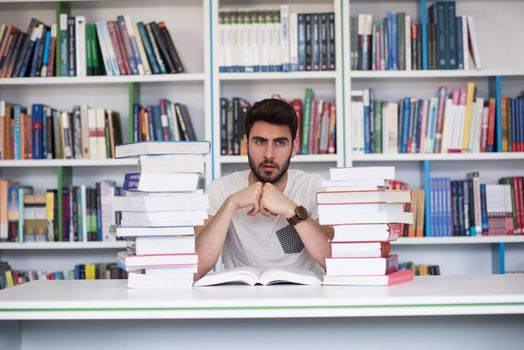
(309, 158)
(122, 79)
(459, 240)
(326, 75)
(437, 157)
(48, 163)
(62, 245)
(391, 74)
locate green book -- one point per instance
(377, 139)
(509, 181)
(306, 120)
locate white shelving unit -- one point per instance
(455, 255)
(256, 86)
(62, 245)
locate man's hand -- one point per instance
(249, 196)
(274, 202)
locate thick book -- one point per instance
(341, 197)
(366, 232)
(164, 216)
(162, 147)
(137, 280)
(178, 201)
(362, 173)
(161, 182)
(360, 249)
(172, 163)
(161, 245)
(366, 218)
(135, 231)
(252, 276)
(130, 262)
(358, 209)
(361, 266)
(396, 277)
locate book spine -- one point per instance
(154, 45)
(80, 46)
(171, 50)
(71, 50)
(127, 45)
(301, 22)
(148, 48)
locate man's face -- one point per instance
(269, 149)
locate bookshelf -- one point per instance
(188, 23)
(501, 74)
(193, 24)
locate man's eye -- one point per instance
(258, 142)
(281, 143)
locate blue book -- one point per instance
(136, 122)
(34, 63)
(148, 48)
(37, 119)
(45, 125)
(451, 34)
(367, 136)
(460, 43)
(389, 17)
(157, 123)
(448, 206)
(405, 125)
(301, 42)
(484, 209)
(131, 181)
(433, 206)
(17, 112)
(47, 43)
(394, 37)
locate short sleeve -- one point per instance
(315, 186)
(216, 197)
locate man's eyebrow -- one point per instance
(259, 138)
(283, 138)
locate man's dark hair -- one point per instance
(272, 111)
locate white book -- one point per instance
(458, 128)
(465, 41)
(172, 222)
(408, 42)
(254, 48)
(476, 125)
(366, 218)
(229, 36)
(106, 57)
(362, 173)
(161, 182)
(365, 233)
(100, 133)
(276, 40)
(473, 43)
(396, 196)
(179, 201)
(293, 41)
(172, 114)
(361, 266)
(164, 215)
(432, 125)
(132, 38)
(448, 123)
(373, 182)
(162, 147)
(221, 39)
(107, 193)
(166, 260)
(284, 36)
(391, 146)
(360, 208)
(360, 249)
(357, 121)
(253, 276)
(172, 163)
(84, 121)
(369, 280)
(80, 46)
(161, 245)
(110, 48)
(134, 231)
(171, 270)
(138, 280)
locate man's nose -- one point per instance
(269, 151)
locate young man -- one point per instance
(265, 216)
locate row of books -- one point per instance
(366, 217)
(29, 217)
(276, 40)
(10, 277)
(469, 208)
(78, 48)
(420, 269)
(158, 210)
(454, 121)
(163, 122)
(316, 131)
(43, 132)
(395, 42)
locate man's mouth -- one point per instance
(268, 166)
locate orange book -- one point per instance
(505, 146)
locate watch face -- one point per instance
(301, 212)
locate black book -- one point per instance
(236, 124)
(13, 56)
(185, 123)
(71, 58)
(223, 126)
(24, 47)
(323, 42)
(331, 58)
(179, 68)
(162, 46)
(309, 44)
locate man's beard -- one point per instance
(259, 171)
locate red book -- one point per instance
(332, 129)
(121, 59)
(383, 280)
(491, 126)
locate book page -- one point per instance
(240, 275)
(289, 275)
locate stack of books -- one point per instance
(366, 217)
(160, 207)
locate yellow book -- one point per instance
(413, 209)
(423, 270)
(470, 96)
(9, 279)
(505, 129)
(419, 231)
(90, 271)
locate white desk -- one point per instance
(444, 312)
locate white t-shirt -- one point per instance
(260, 241)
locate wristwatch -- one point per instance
(301, 214)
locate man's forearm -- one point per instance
(210, 239)
(316, 239)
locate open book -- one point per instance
(253, 276)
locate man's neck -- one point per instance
(280, 184)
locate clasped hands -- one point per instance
(264, 198)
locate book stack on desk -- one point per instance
(366, 217)
(160, 207)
